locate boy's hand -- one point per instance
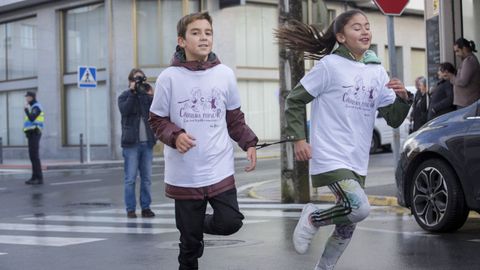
(303, 151)
(184, 142)
(252, 157)
(398, 88)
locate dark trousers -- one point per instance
(33, 137)
(192, 222)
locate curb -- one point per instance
(373, 200)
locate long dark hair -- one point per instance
(465, 43)
(316, 44)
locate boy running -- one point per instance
(195, 112)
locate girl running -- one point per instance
(347, 86)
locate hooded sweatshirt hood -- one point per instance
(180, 60)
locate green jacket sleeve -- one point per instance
(396, 112)
(295, 112)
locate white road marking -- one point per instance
(259, 206)
(82, 229)
(2, 188)
(76, 182)
(417, 233)
(157, 174)
(474, 240)
(247, 213)
(249, 186)
(168, 221)
(45, 241)
(3, 254)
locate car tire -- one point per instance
(437, 199)
(375, 143)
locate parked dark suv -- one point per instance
(438, 175)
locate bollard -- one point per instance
(1, 150)
(81, 148)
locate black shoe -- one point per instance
(34, 181)
(131, 214)
(147, 213)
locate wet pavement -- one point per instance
(76, 221)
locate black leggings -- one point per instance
(192, 222)
(33, 137)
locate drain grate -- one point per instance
(213, 243)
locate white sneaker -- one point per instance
(304, 231)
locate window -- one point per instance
(12, 116)
(157, 29)
(85, 37)
(417, 64)
(75, 114)
(18, 47)
(260, 101)
(255, 45)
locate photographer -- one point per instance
(137, 141)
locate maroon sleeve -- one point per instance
(164, 130)
(239, 131)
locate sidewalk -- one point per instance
(50, 164)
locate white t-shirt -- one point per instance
(197, 102)
(347, 95)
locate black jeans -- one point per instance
(192, 222)
(33, 137)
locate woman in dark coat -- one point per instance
(441, 98)
(419, 109)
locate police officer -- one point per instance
(32, 126)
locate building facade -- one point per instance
(42, 42)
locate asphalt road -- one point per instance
(77, 221)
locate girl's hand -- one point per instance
(398, 88)
(303, 151)
(252, 157)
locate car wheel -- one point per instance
(375, 143)
(438, 202)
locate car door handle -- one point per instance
(473, 117)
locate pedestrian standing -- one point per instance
(466, 83)
(419, 112)
(33, 125)
(137, 141)
(346, 87)
(441, 96)
(196, 112)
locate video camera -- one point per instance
(141, 85)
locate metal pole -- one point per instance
(394, 73)
(87, 122)
(81, 148)
(1, 150)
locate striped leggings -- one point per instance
(352, 207)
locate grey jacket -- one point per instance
(466, 85)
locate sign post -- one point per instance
(390, 9)
(87, 79)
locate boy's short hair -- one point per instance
(188, 19)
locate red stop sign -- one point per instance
(391, 7)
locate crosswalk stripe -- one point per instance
(258, 206)
(76, 182)
(45, 241)
(82, 229)
(474, 240)
(247, 213)
(3, 254)
(100, 219)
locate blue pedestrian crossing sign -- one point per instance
(87, 77)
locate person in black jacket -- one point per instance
(137, 141)
(441, 98)
(419, 109)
